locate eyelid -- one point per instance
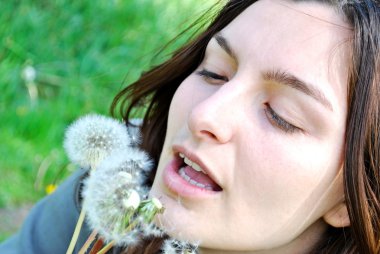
(209, 74)
(280, 122)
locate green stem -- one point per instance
(106, 248)
(90, 239)
(131, 226)
(76, 233)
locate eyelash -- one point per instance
(278, 121)
(212, 75)
(273, 117)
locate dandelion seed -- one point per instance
(173, 246)
(168, 247)
(132, 201)
(140, 160)
(151, 230)
(134, 131)
(127, 176)
(93, 137)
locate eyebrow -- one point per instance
(292, 81)
(281, 77)
(223, 43)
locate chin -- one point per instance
(177, 221)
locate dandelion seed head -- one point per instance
(125, 176)
(108, 199)
(151, 230)
(140, 160)
(173, 246)
(29, 73)
(111, 194)
(93, 137)
(134, 131)
(143, 191)
(124, 165)
(168, 248)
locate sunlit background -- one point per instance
(62, 59)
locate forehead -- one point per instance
(308, 39)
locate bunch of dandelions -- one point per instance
(88, 141)
(114, 196)
(173, 246)
(116, 201)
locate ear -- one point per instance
(338, 216)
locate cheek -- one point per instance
(189, 94)
(286, 185)
(179, 107)
(284, 177)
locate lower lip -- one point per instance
(178, 185)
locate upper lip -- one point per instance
(195, 158)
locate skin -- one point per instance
(281, 186)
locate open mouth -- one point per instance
(192, 173)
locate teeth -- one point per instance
(196, 167)
(183, 174)
(192, 164)
(188, 162)
(193, 182)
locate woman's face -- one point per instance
(263, 117)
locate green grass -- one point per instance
(83, 52)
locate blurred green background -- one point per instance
(60, 59)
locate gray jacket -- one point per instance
(50, 224)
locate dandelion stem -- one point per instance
(87, 244)
(97, 246)
(131, 226)
(106, 248)
(76, 233)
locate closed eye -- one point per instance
(278, 121)
(212, 77)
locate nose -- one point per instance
(214, 117)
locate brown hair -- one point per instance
(156, 88)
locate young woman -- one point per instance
(265, 130)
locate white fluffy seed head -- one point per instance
(103, 197)
(134, 131)
(110, 194)
(168, 248)
(93, 137)
(125, 175)
(140, 160)
(149, 230)
(128, 165)
(173, 246)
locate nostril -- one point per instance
(207, 126)
(208, 134)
